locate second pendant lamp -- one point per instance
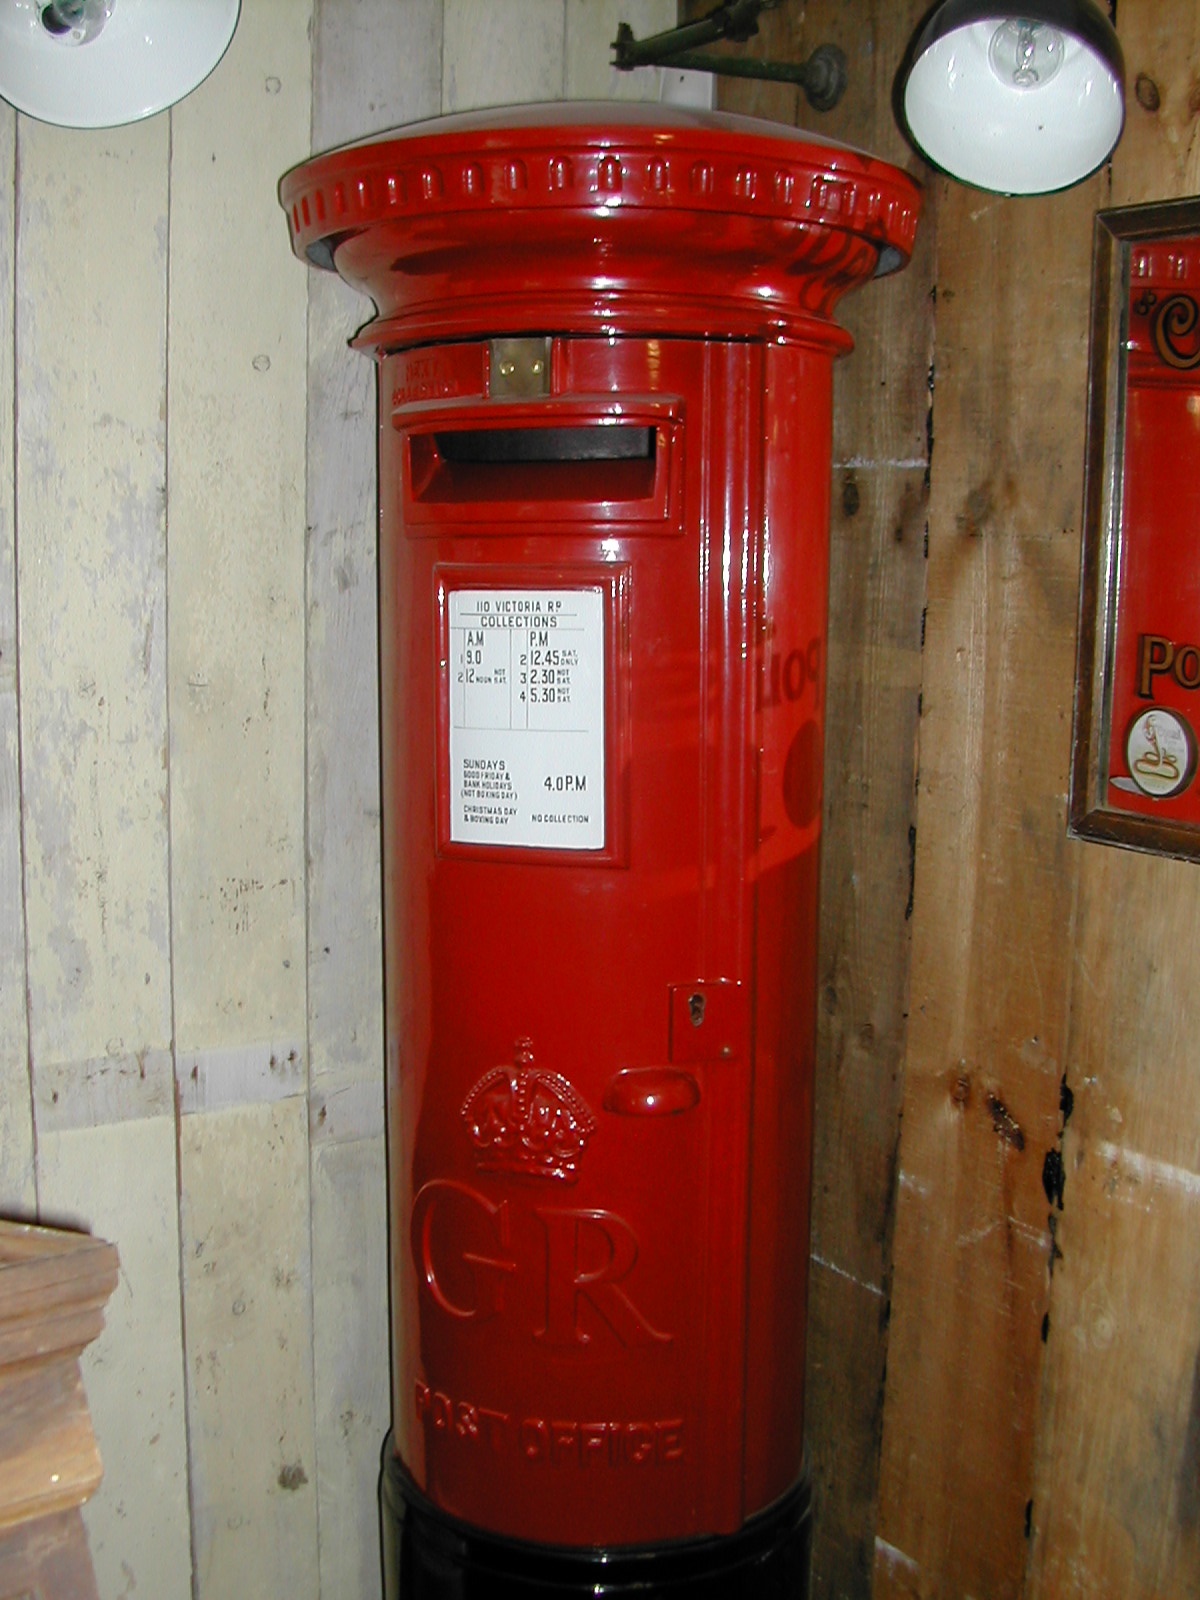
(1022, 102)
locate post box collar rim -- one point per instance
(592, 158)
(495, 125)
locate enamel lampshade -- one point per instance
(99, 63)
(1022, 102)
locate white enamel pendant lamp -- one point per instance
(100, 63)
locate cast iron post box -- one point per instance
(605, 344)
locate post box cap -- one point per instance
(617, 213)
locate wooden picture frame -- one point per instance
(1137, 681)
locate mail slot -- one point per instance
(605, 344)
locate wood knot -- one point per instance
(1146, 92)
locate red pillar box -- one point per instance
(605, 346)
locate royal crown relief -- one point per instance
(527, 1120)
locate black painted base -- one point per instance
(430, 1556)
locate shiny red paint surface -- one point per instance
(1152, 757)
(604, 217)
(600, 1057)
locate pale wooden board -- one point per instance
(993, 896)
(17, 1184)
(248, 1323)
(368, 75)
(119, 1183)
(90, 473)
(591, 27)
(236, 675)
(502, 52)
(236, 550)
(344, 888)
(91, 595)
(353, 1396)
(375, 65)
(110, 1088)
(1116, 1506)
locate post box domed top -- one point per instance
(600, 217)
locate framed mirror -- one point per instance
(1137, 682)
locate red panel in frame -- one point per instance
(1137, 704)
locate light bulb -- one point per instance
(1025, 54)
(1015, 96)
(75, 21)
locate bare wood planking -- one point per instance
(368, 75)
(17, 1177)
(237, 694)
(1116, 1505)
(501, 53)
(52, 1293)
(993, 896)
(873, 681)
(91, 596)
(877, 598)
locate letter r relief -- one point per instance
(574, 1242)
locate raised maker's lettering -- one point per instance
(549, 1441)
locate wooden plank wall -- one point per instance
(190, 1017)
(1116, 1492)
(1039, 1434)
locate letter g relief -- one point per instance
(459, 1238)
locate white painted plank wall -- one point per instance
(90, 294)
(236, 681)
(591, 27)
(18, 1192)
(504, 51)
